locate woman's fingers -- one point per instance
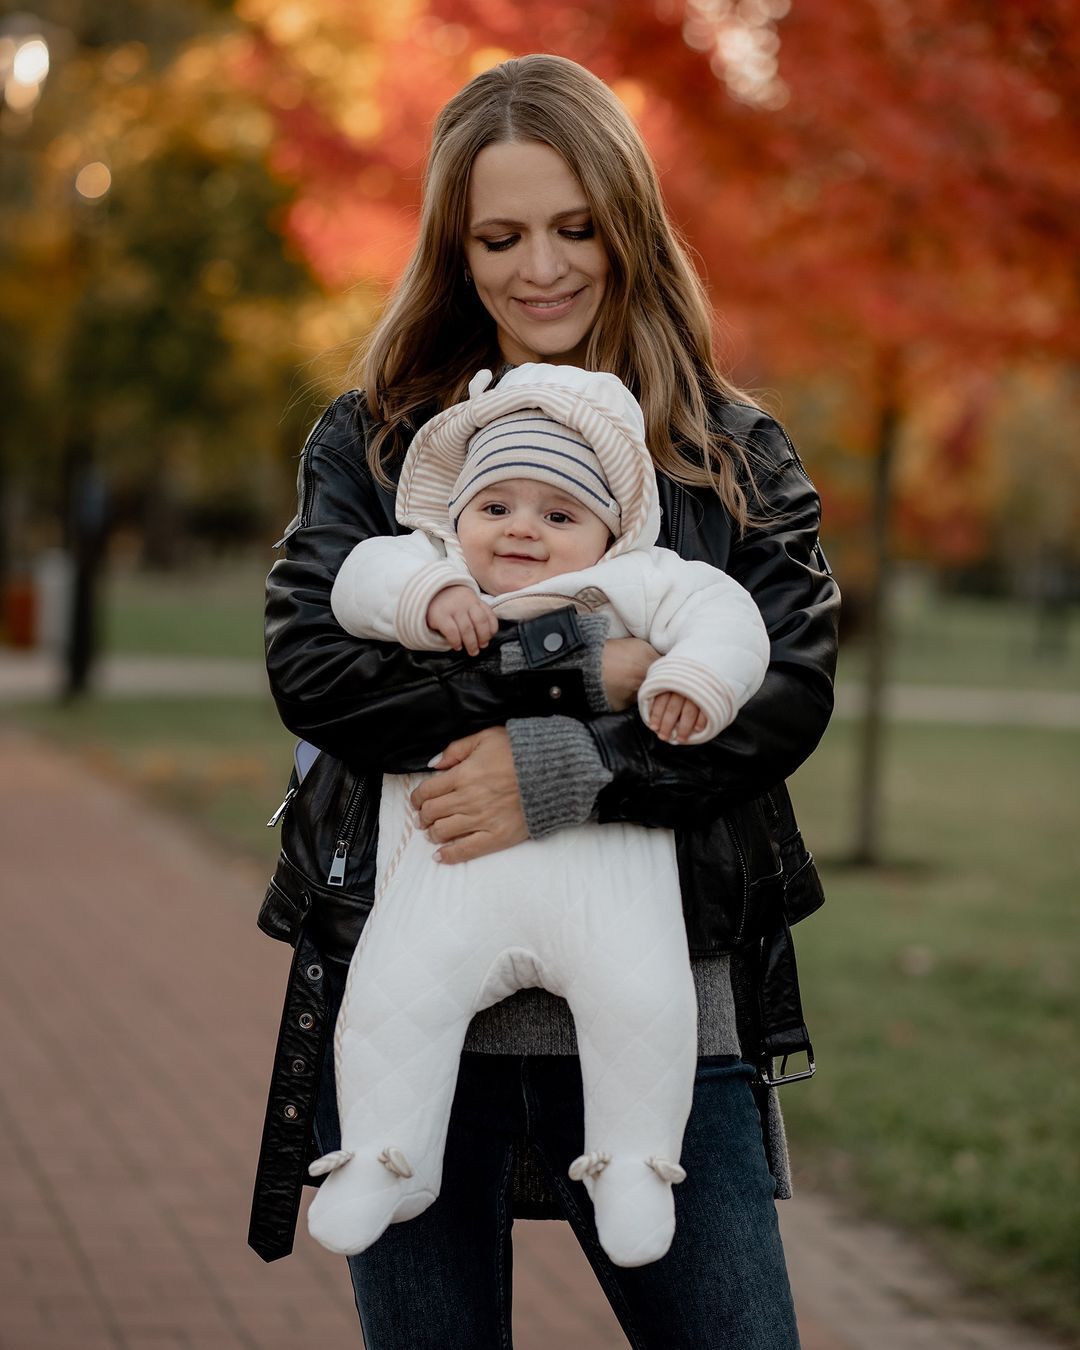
(470, 846)
(442, 831)
(454, 753)
(474, 796)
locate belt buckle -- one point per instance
(765, 1074)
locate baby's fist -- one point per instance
(462, 618)
(675, 718)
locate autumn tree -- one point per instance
(878, 192)
(147, 305)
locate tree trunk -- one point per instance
(868, 807)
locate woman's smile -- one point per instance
(549, 309)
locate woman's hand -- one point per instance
(472, 806)
(624, 664)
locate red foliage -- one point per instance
(920, 185)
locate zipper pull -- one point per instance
(276, 817)
(337, 866)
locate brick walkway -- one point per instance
(138, 1007)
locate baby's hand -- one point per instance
(462, 618)
(675, 718)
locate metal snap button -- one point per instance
(299, 1065)
(314, 972)
(553, 642)
(290, 1112)
(306, 1021)
(555, 691)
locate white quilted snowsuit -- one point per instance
(591, 913)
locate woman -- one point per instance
(543, 237)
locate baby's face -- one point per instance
(519, 531)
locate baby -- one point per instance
(535, 494)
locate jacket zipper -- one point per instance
(336, 876)
(676, 516)
(276, 817)
(745, 878)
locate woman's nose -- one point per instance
(544, 262)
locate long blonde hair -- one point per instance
(653, 329)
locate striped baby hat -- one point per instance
(530, 444)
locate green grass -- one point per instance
(942, 1002)
(991, 644)
(215, 610)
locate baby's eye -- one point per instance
(560, 518)
(493, 509)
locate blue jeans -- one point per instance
(442, 1281)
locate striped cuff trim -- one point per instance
(676, 675)
(410, 621)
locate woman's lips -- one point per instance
(554, 308)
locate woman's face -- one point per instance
(539, 267)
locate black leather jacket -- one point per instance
(381, 708)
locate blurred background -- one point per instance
(202, 207)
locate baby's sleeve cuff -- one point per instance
(410, 620)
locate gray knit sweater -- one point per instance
(560, 773)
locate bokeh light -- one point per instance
(93, 180)
(31, 62)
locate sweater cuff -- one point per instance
(594, 629)
(559, 772)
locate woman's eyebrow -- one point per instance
(505, 221)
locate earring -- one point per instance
(468, 277)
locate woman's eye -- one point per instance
(580, 232)
(498, 245)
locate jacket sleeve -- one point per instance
(713, 644)
(371, 703)
(781, 565)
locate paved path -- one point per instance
(33, 675)
(138, 1008)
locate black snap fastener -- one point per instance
(314, 972)
(306, 1021)
(299, 1065)
(290, 1112)
(553, 642)
(555, 692)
